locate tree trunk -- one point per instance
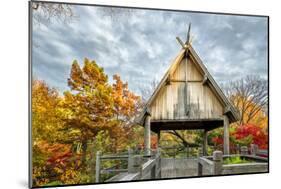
(84, 153)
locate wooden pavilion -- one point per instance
(188, 98)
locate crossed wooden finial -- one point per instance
(185, 45)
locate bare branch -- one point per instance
(48, 12)
(249, 95)
(115, 13)
(146, 92)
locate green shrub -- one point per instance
(235, 160)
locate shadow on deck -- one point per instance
(184, 167)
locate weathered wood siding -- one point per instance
(170, 102)
(192, 72)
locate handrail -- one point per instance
(142, 164)
(216, 167)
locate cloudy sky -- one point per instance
(139, 45)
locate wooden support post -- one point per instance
(147, 135)
(158, 138)
(153, 172)
(158, 158)
(244, 150)
(225, 135)
(205, 143)
(200, 152)
(254, 149)
(98, 167)
(218, 160)
(134, 162)
(237, 149)
(200, 169)
(130, 161)
(130, 153)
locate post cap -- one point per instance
(244, 148)
(217, 155)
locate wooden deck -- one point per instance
(172, 167)
(156, 167)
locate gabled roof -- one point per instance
(229, 109)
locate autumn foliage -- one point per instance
(68, 129)
(244, 135)
(258, 136)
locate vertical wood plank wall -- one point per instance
(169, 103)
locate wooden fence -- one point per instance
(254, 150)
(185, 151)
(139, 166)
(180, 151)
(213, 165)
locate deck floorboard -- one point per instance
(172, 167)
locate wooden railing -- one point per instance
(179, 151)
(138, 166)
(251, 149)
(254, 150)
(100, 170)
(185, 151)
(213, 165)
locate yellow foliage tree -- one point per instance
(250, 112)
(88, 106)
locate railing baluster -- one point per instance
(98, 167)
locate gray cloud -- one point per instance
(140, 44)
